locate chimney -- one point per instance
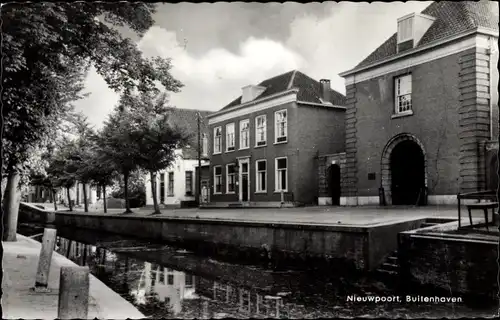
(324, 90)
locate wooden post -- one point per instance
(42, 274)
(73, 293)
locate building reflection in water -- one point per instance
(181, 293)
(170, 286)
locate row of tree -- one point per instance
(137, 138)
(47, 49)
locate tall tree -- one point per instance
(43, 65)
(120, 147)
(157, 138)
(100, 169)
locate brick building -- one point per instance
(422, 109)
(264, 144)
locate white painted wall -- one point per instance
(179, 168)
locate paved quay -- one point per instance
(20, 261)
(357, 216)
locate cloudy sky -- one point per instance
(219, 48)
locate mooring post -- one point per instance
(73, 293)
(44, 262)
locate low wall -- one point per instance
(362, 247)
(460, 265)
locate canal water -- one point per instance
(163, 281)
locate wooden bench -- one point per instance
(483, 206)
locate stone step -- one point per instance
(386, 273)
(392, 259)
(389, 267)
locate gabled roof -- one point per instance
(308, 89)
(187, 120)
(452, 18)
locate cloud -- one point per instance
(347, 35)
(211, 80)
(101, 100)
(321, 43)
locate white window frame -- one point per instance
(229, 147)
(277, 187)
(257, 176)
(242, 123)
(260, 143)
(215, 179)
(227, 178)
(171, 194)
(276, 127)
(204, 145)
(219, 137)
(403, 92)
(407, 22)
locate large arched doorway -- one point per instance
(334, 184)
(404, 171)
(408, 174)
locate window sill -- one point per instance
(284, 191)
(244, 148)
(402, 114)
(217, 193)
(229, 151)
(216, 153)
(260, 192)
(231, 192)
(281, 142)
(261, 146)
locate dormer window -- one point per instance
(251, 92)
(405, 30)
(411, 29)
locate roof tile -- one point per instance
(452, 18)
(308, 88)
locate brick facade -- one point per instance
(304, 143)
(449, 122)
(474, 121)
(350, 185)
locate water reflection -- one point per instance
(165, 282)
(161, 291)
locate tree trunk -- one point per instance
(127, 203)
(69, 199)
(11, 206)
(104, 198)
(77, 189)
(54, 198)
(153, 192)
(85, 201)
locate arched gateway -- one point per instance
(404, 171)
